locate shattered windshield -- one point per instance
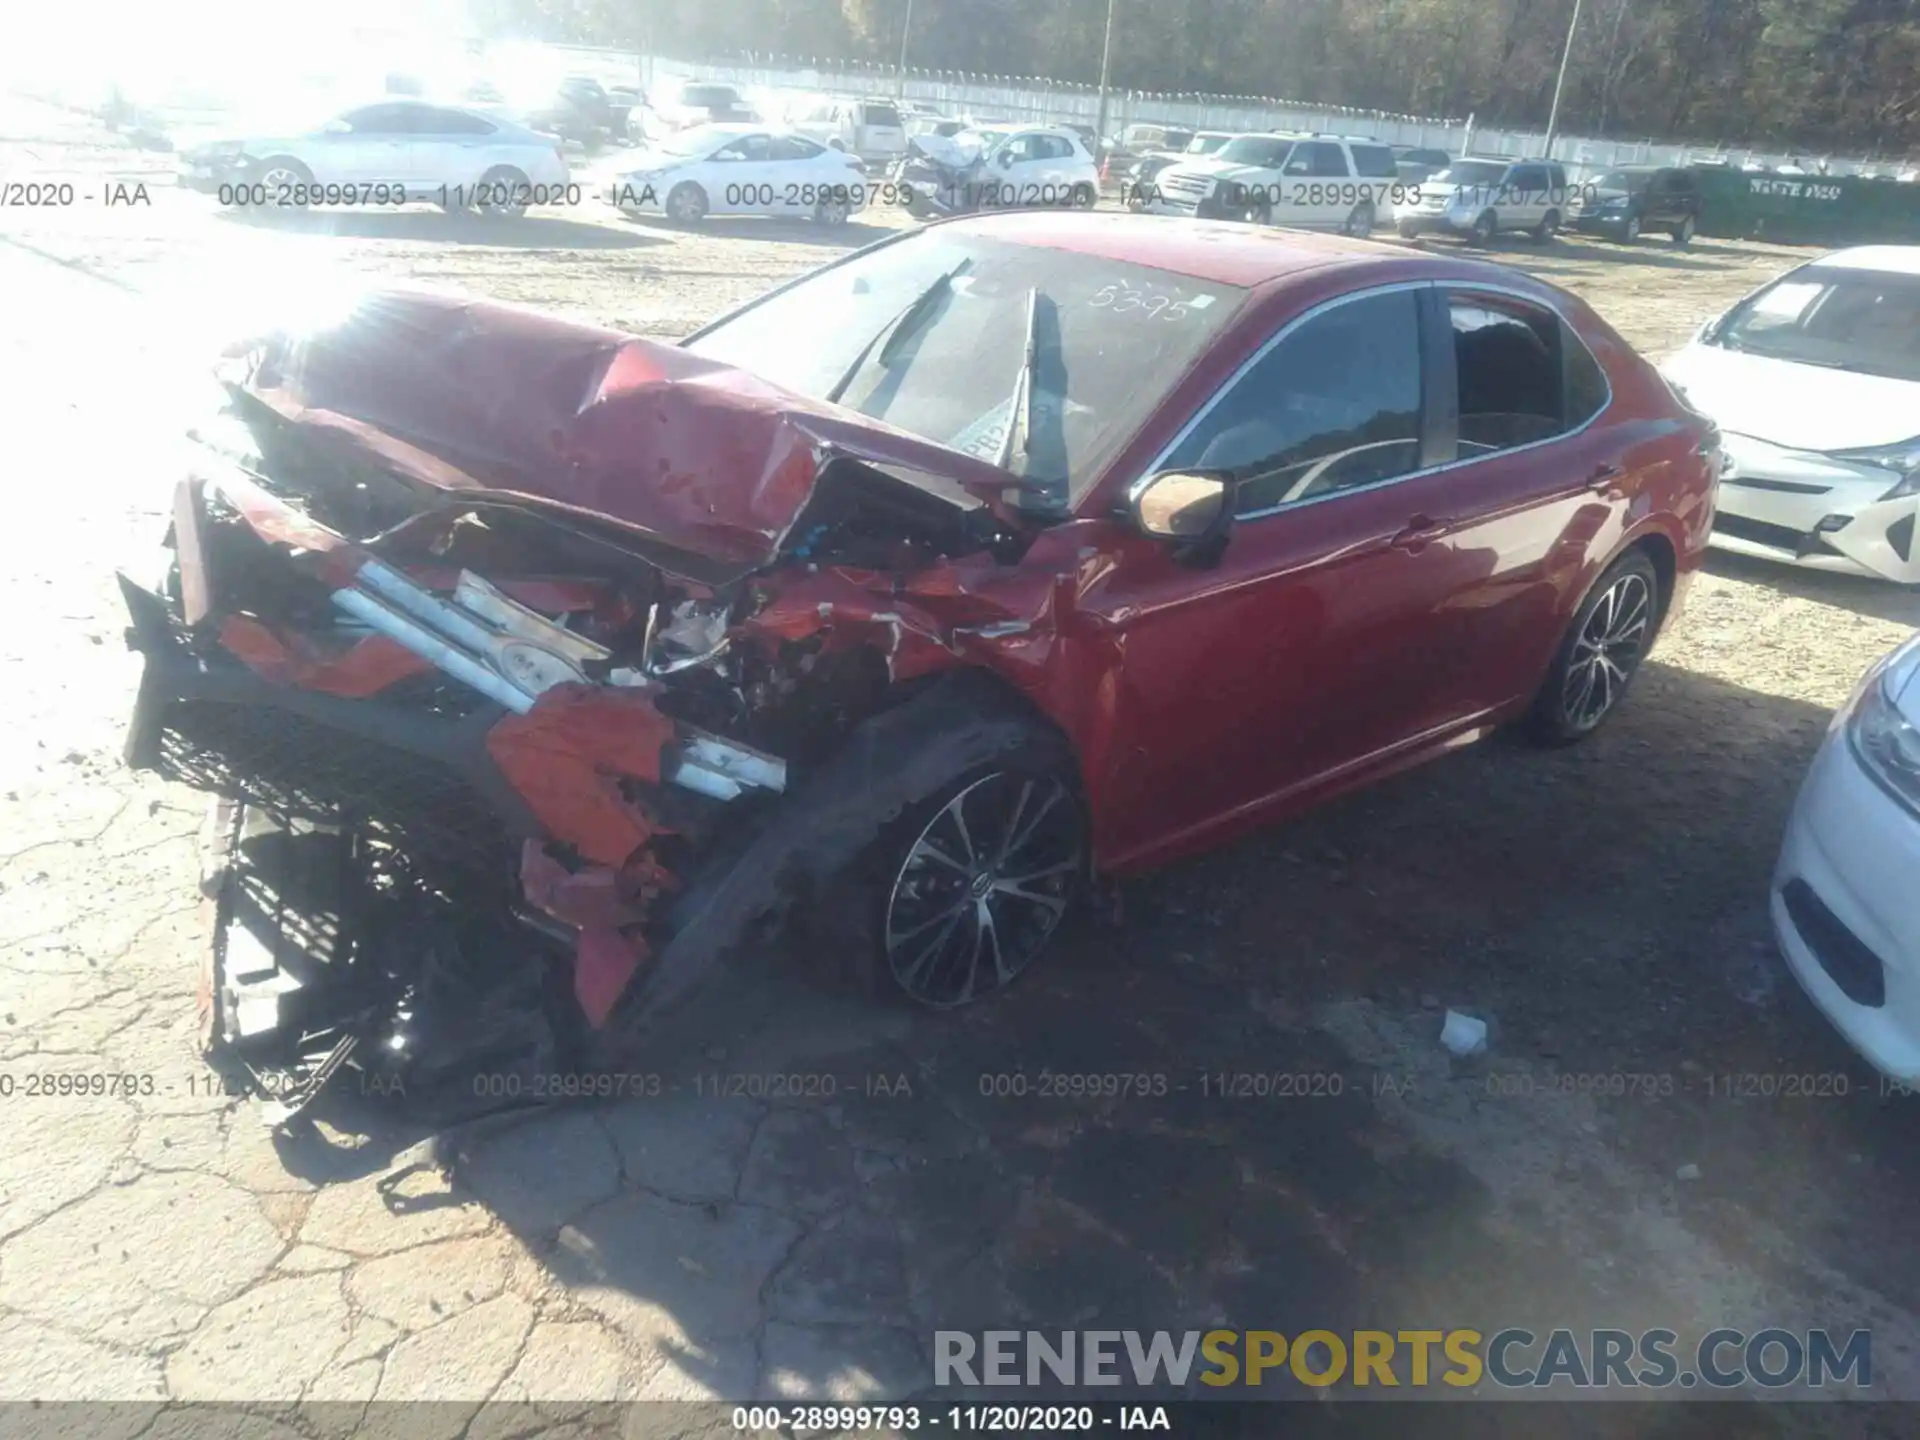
(1867, 321)
(931, 334)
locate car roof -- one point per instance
(1899, 259)
(1219, 251)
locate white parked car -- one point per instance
(1481, 196)
(871, 129)
(1842, 897)
(1305, 182)
(995, 168)
(1814, 381)
(740, 170)
(388, 153)
(683, 104)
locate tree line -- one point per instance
(1840, 75)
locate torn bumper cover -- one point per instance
(517, 780)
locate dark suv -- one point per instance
(1621, 203)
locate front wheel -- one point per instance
(1630, 232)
(964, 888)
(1610, 635)
(1255, 214)
(686, 204)
(286, 183)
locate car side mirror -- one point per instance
(1192, 509)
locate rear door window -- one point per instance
(1318, 158)
(1507, 357)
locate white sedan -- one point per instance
(1842, 897)
(388, 153)
(1814, 380)
(741, 170)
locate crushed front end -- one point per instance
(483, 738)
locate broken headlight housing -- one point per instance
(1903, 459)
(1884, 740)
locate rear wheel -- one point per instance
(1548, 227)
(1485, 226)
(502, 194)
(1083, 196)
(1359, 221)
(1610, 635)
(1683, 232)
(832, 212)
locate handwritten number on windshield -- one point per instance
(1123, 299)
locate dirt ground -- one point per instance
(1603, 907)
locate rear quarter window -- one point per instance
(1375, 162)
(1587, 391)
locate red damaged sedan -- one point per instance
(886, 610)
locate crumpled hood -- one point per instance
(948, 150)
(471, 396)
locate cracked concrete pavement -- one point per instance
(159, 1246)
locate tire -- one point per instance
(832, 213)
(1359, 221)
(1486, 226)
(1012, 780)
(1683, 233)
(686, 204)
(281, 170)
(1256, 214)
(1548, 227)
(1630, 232)
(501, 194)
(1083, 197)
(1409, 232)
(1607, 639)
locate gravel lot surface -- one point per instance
(1602, 906)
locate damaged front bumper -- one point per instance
(489, 789)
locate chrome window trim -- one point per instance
(1487, 286)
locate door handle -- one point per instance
(1420, 532)
(1603, 477)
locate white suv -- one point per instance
(870, 129)
(1480, 196)
(1309, 182)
